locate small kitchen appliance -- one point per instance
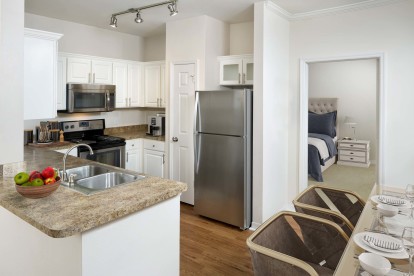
(156, 125)
(107, 149)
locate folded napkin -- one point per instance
(396, 224)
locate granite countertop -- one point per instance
(67, 212)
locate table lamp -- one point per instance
(351, 123)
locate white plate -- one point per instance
(385, 238)
(405, 205)
(359, 240)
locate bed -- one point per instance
(322, 135)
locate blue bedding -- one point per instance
(314, 158)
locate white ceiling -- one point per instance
(98, 12)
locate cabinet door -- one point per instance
(101, 72)
(134, 85)
(248, 69)
(231, 72)
(152, 87)
(154, 163)
(40, 61)
(134, 155)
(79, 70)
(120, 78)
(132, 160)
(61, 83)
(162, 86)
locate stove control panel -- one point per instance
(72, 126)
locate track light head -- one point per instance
(173, 8)
(138, 19)
(113, 22)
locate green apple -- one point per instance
(37, 182)
(27, 184)
(21, 178)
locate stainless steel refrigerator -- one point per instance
(222, 156)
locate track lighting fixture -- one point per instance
(113, 22)
(138, 19)
(172, 7)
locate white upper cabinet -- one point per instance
(84, 70)
(61, 83)
(127, 78)
(136, 97)
(40, 74)
(154, 84)
(236, 70)
(120, 79)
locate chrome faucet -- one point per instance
(64, 175)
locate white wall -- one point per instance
(11, 80)
(115, 118)
(241, 38)
(199, 38)
(88, 40)
(270, 106)
(216, 44)
(385, 29)
(154, 48)
(355, 85)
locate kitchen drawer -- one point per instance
(132, 144)
(153, 145)
(352, 153)
(352, 158)
(353, 146)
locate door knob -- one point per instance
(175, 139)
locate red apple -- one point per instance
(50, 180)
(48, 172)
(35, 175)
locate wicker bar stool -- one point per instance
(340, 206)
(293, 244)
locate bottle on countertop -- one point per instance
(61, 137)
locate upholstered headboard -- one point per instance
(322, 105)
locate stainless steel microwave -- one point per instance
(89, 98)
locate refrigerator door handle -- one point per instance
(197, 114)
(197, 137)
(196, 134)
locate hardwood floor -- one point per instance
(208, 247)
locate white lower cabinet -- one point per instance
(154, 158)
(134, 155)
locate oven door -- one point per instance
(114, 156)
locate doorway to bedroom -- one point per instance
(353, 86)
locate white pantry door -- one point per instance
(182, 112)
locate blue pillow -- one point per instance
(322, 123)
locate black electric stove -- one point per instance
(107, 149)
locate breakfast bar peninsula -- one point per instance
(130, 229)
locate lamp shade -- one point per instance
(350, 121)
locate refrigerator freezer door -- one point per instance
(222, 112)
(222, 187)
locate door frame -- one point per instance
(303, 110)
(172, 109)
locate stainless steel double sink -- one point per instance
(92, 178)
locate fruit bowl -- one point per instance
(37, 191)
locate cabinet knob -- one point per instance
(174, 139)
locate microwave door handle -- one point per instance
(108, 99)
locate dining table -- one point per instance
(371, 221)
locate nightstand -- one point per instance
(353, 153)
